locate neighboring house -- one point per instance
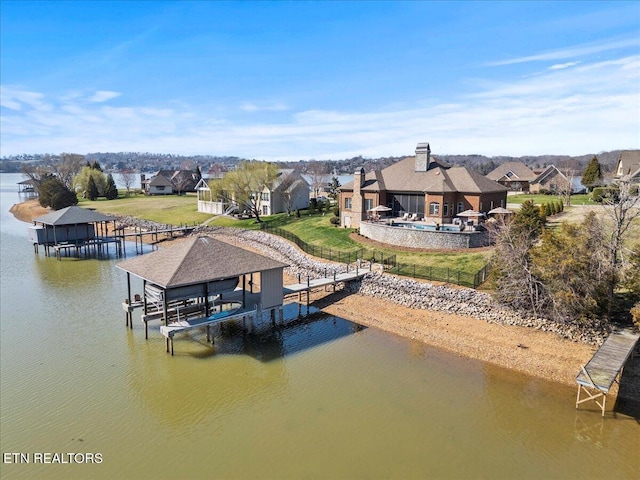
(628, 168)
(167, 182)
(516, 176)
(288, 192)
(421, 186)
(550, 179)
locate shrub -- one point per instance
(599, 194)
(336, 211)
(635, 315)
(334, 221)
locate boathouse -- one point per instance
(72, 228)
(200, 282)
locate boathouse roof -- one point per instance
(72, 216)
(197, 260)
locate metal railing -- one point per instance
(439, 274)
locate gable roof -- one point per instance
(547, 172)
(628, 163)
(197, 260)
(516, 171)
(402, 177)
(72, 215)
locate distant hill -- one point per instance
(150, 162)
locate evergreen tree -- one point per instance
(592, 174)
(54, 194)
(96, 166)
(530, 218)
(111, 191)
(92, 190)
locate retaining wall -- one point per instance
(411, 237)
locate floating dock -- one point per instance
(597, 376)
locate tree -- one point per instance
(569, 168)
(54, 194)
(111, 191)
(623, 212)
(517, 286)
(81, 182)
(245, 184)
(319, 172)
(128, 178)
(333, 188)
(66, 169)
(569, 262)
(92, 190)
(530, 219)
(592, 175)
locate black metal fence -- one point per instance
(390, 263)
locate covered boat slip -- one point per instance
(597, 376)
(201, 282)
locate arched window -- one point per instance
(460, 207)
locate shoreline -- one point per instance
(528, 351)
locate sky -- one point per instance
(319, 80)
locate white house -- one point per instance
(288, 192)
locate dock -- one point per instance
(597, 377)
(322, 282)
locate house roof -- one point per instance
(401, 176)
(287, 180)
(160, 181)
(547, 172)
(197, 260)
(73, 215)
(628, 163)
(512, 171)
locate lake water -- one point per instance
(319, 399)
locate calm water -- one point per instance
(321, 399)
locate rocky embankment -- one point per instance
(401, 291)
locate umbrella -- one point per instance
(499, 211)
(379, 208)
(470, 213)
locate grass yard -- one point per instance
(169, 209)
(582, 199)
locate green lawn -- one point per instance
(582, 199)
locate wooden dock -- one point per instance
(322, 282)
(597, 376)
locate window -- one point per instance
(445, 210)
(264, 196)
(161, 187)
(460, 207)
(434, 208)
(347, 203)
(265, 210)
(368, 204)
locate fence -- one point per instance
(390, 263)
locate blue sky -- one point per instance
(301, 80)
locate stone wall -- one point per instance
(411, 237)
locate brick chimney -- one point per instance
(423, 157)
(357, 202)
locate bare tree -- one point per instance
(319, 173)
(68, 166)
(128, 178)
(623, 211)
(571, 169)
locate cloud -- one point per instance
(571, 52)
(273, 107)
(560, 66)
(103, 96)
(588, 108)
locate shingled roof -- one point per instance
(516, 171)
(402, 177)
(73, 215)
(197, 260)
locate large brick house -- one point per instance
(421, 186)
